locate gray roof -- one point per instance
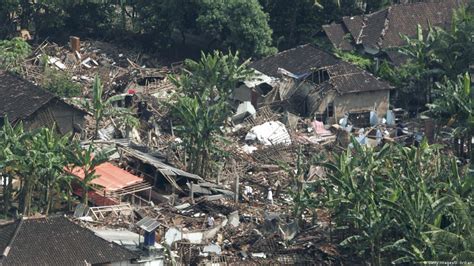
(20, 98)
(57, 241)
(344, 77)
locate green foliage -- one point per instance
(400, 204)
(215, 75)
(433, 56)
(298, 22)
(103, 109)
(356, 59)
(237, 24)
(12, 54)
(37, 159)
(202, 108)
(87, 159)
(454, 105)
(60, 83)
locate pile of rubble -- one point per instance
(246, 215)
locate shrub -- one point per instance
(60, 83)
(12, 54)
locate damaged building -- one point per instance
(380, 32)
(315, 83)
(21, 100)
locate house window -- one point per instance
(265, 88)
(319, 76)
(330, 109)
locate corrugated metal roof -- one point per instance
(110, 177)
(148, 224)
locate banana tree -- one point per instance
(51, 148)
(103, 109)
(10, 144)
(454, 105)
(201, 106)
(87, 160)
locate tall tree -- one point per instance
(241, 25)
(202, 108)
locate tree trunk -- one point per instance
(85, 194)
(6, 194)
(49, 201)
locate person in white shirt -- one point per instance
(210, 221)
(270, 196)
(248, 192)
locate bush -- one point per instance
(60, 84)
(12, 54)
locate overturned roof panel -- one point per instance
(168, 171)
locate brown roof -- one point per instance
(298, 60)
(56, 241)
(344, 77)
(339, 37)
(354, 25)
(382, 29)
(373, 27)
(347, 78)
(405, 18)
(20, 98)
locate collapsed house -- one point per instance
(114, 185)
(315, 83)
(21, 100)
(379, 32)
(57, 241)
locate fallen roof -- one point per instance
(166, 170)
(20, 98)
(382, 29)
(343, 76)
(56, 241)
(110, 177)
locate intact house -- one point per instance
(381, 33)
(312, 82)
(58, 241)
(21, 100)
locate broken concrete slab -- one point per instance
(212, 248)
(270, 133)
(172, 235)
(234, 219)
(244, 110)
